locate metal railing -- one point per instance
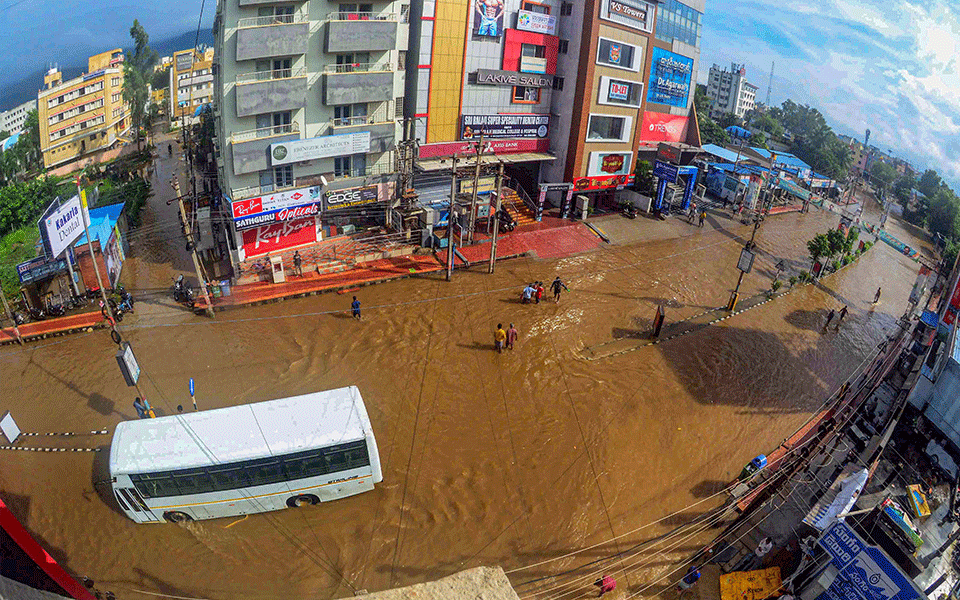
(521, 193)
(271, 20)
(362, 16)
(359, 67)
(264, 132)
(270, 75)
(358, 120)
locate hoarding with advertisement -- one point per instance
(589, 184)
(603, 164)
(670, 76)
(620, 92)
(661, 127)
(258, 205)
(184, 61)
(325, 146)
(636, 14)
(505, 126)
(40, 268)
(277, 216)
(536, 22)
(865, 571)
(496, 147)
(349, 198)
(488, 17)
(62, 226)
(279, 236)
(668, 153)
(665, 171)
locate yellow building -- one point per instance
(86, 115)
(191, 82)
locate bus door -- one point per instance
(131, 501)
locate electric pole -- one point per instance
(476, 184)
(6, 308)
(757, 220)
(453, 199)
(96, 268)
(191, 247)
(496, 219)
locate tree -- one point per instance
(835, 242)
(758, 140)
(160, 78)
(942, 215)
(728, 120)
(818, 247)
(711, 133)
(929, 183)
(852, 235)
(137, 71)
(882, 174)
(4, 134)
(643, 177)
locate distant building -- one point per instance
(191, 82)
(86, 115)
(729, 91)
(12, 120)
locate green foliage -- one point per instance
(137, 71)
(4, 134)
(950, 252)
(758, 140)
(818, 246)
(644, 177)
(813, 140)
(852, 236)
(942, 214)
(710, 132)
(882, 175)
(22, 203)
(805, 276)
(16, 247)
(776, 285)
(729, 120)
(835, 242)
(929, 183)
(160, 78)
(845, 260)
(793, 280)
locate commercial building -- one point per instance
(83, 117)
(306, 96)
(729, 91)
(12, 120)
(191, 82)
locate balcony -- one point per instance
(271, 91)
(358, 82)
(383, 134)
(251, 148)
(277, 35)
(361, 32)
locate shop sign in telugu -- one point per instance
(536, 22)
(505, 126)
(669, 78)
(512, 78)
(352, 197)
(609, 163)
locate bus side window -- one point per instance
(357, 457)
(194, 482)
(156, 485)
(263, 472)
(230, 478)
(304, 466)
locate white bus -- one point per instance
(245, 459)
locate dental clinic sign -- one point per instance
(865, 572)
(62, 226)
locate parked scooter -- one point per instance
(117, 313)
(36, 314)
(507, 222)
(629, 211)
(182, 292)
(56, 310)
(123, 299)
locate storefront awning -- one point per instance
(437, 165)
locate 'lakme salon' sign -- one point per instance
(511, 78)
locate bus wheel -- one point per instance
(177, 517)
(302, 500)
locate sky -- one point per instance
(889, 66)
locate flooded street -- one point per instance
(487, 459)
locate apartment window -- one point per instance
(558, 83)
(533, 58)
(526, 95)
(281, 122)
(618, 92)
(347, 63)
(608, 128)
(536, 7)
(563, 46)
(401, 60)
(282, 14)
(282, 68)
(115, 97)
(350, 114)
(283, 176)
(350, 166)
(566, 9)
(354, 12)
(114, 81)
(618, 54)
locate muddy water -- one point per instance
(488, 459)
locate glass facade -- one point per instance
(677, 21)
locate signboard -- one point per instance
(184, 61)
(63, 226)
(745, 263)
(279, 236)
(620, 92)
(609, 163)
(665, 171)
(496, 147)
(505, 126)
(587, 184)
(632, 13)
(9, 428)
(670, 75)
(488, 17)
(349, 198)
(264, 204)
(865, 572)
(533, 64)
(325, 146)
(274, 216)
(668, 153)
(40, 268)
(129, 366)
(661, 127)
(513, 78)
(536, 22)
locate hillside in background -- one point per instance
(18, 91)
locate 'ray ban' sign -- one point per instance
(511, 78)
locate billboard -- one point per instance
(865, 571)
(351, 197)
(63, 226)
(620, 92)
(636, 14)
(278, 216)
(496, 147)
(488, 17)
(601, 164)
(184, 61)
(259, 205)
(536, 22)
(325, 146)
(505, 126)
(279, 236)
(670, 75)
(661, 127)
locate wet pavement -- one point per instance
(506, 459)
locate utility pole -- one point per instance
(6, 308)
(496, 219)
(93, 258)
(757, 220)
(191, 247)
(476, 184)
(453, 199)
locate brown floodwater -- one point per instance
(506, 459)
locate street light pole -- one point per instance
(6, 308)
(453, 198)
(757, 220)
(93, 258)
(496, 219)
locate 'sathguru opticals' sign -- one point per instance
(512, 78)
(325, 146)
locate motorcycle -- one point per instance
(19, 319)
(182, 292)
(114, 310)
(36, 314)
(56, 310)
(507, 222)
(123, 299)
(629, 211)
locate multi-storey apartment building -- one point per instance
(191, 82)
(83, 117)
(12, 120)
(306, 95)
(729, 91)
